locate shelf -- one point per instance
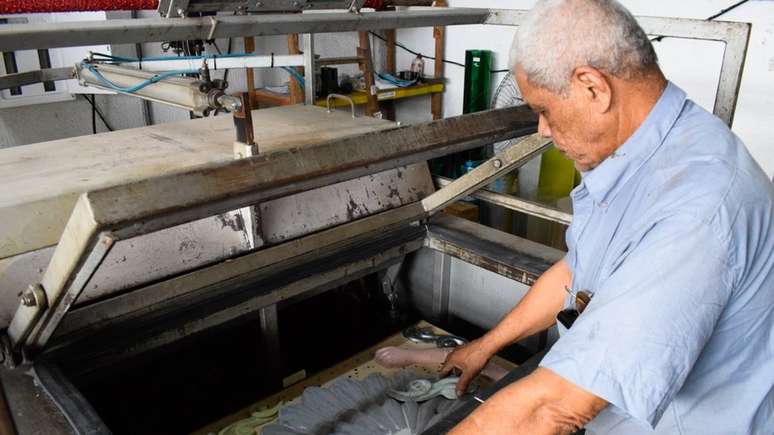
(360, 97)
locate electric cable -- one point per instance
(93, 117)
(416, 53)
(98, 112)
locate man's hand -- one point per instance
(468, 360)
(536, 312)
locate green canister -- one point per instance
(478, 78)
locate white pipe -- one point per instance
(220, 63)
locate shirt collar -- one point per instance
(604, 181)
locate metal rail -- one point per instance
(514, 203)
(80, 33)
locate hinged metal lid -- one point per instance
(105, 216)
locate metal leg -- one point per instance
(309, 76)
(269, 323)
(441, 278)
(392, 286)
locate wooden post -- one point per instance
(439, 33)
(391, 68)
(296, 92)
(364, 51)
(250, 48)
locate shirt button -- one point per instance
(603, 204)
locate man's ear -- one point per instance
(593, 86)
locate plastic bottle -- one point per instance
(418, 67)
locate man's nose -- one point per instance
(543, 128)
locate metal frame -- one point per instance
(514, 203)
(125, 211)
(736, 37)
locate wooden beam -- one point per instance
(364, 51)
(295, 89)
(439, 34)
(391, 68)
(250, 48)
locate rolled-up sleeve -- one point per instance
(638, 339)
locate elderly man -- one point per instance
(673, 235)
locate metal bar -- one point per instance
(499, 165)
(219, 63)
(79, 33)
(66, 297)
(146, 205)
(80, 238)
(339, 60)
(44, 60)
(9, 61)
(735, 35)
(734, 57)
(310, 78)
(514, 203)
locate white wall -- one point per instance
(693, 65)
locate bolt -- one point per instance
(497, 163)
(28, 297)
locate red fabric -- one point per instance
(27, 6)
(374, 4)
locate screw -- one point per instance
(497, 163)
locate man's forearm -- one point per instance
(535, 312)
(541, 403)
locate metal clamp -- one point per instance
(341, 97)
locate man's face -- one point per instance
(569, 121)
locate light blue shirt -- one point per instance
(674, 234)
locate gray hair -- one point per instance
(557, 36)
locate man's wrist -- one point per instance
(493, 342)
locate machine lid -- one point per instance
(103, 217)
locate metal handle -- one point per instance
(342, 97)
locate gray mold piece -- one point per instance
(350, 407)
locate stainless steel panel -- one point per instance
(324, 207)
